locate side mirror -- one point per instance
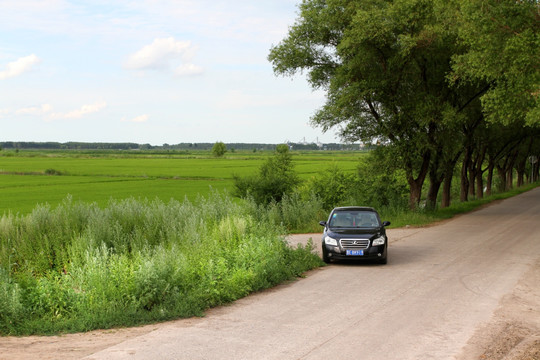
(322, 223)
(385, 223)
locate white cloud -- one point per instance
(161, 53)
(34, 110)
(188, 70)
(19, 66)
(84, 110)
(137, 119)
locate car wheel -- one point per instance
(325, 257)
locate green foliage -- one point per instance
(52, 172)
(276, 179)
(11, 307)
(383, 65)
(219, 149)
(381, 183)
(503, 47)
(333, 187)
(410, 74)
(78, 267)
(298, 213)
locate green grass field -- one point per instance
(26, 180)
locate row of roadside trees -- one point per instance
(446, 87)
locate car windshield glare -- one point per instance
(354, 219)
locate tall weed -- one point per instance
(79, 267)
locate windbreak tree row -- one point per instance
(446, 86)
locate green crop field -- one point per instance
(29, 178)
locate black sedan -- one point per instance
(354, 232)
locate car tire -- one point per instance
(325, 257)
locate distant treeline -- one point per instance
(181, 146)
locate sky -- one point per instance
(150, 71)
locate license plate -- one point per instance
(354, 252)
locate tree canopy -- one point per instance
(219, 149)
(394, 73)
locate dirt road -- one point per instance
(468, 288)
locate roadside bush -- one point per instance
(78, 267)
(380, 183)
(11, 306)
(276, 179)
(334, 187)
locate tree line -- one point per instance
(444, 87)
(51, 145)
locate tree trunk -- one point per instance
(510, 170)
(447, 187)
(521, 169)
(435, 179)
(464, 193)
(479, 173)
(415, 185)
(472, 178)
(447, 180)
(509, 179)
(433, 191)
(501, 171)
(415, 192)
(489, 180)
(479, 185)
(536, 170)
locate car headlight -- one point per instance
(379, 241)
(330, 241)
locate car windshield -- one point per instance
(351, 219)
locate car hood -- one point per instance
(365, 232)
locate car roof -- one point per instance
(354, 208)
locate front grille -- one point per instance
(354, 244)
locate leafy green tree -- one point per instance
(384, 65)
(219, 149)
(276, 179)
(503, 49)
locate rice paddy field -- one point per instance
(29, 178)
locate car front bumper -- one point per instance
(371, 253)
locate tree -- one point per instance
(503, 49)
(409, 75)
(384, 65)
(219, 149)
(275, 179)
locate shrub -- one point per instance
(276, 178)
(380, 183)
(78, 267)
(333, 187)
(11, 306)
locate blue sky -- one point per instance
(155, 71)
